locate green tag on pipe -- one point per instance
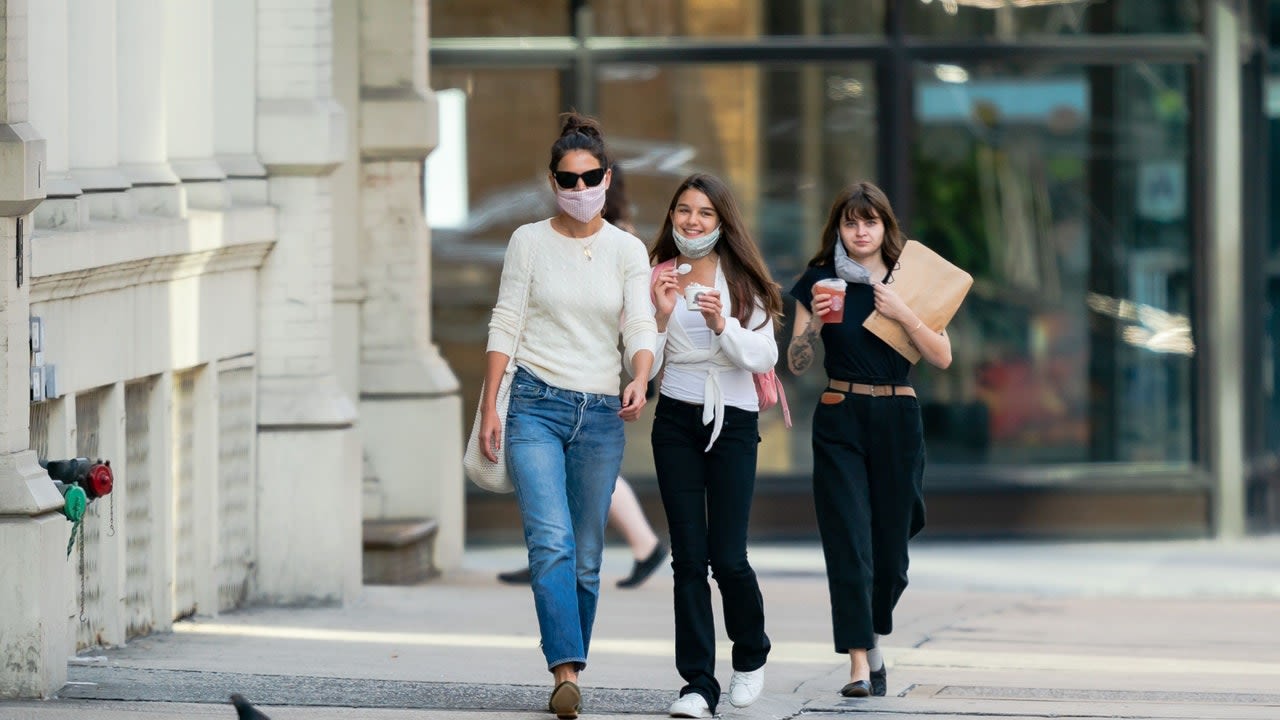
(74, 503)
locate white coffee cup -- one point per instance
(691, 294)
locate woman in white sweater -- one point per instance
(565, 283)
(705, 430)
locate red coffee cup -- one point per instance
(835, 287)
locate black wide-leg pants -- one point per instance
(868, 469)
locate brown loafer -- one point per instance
(858, 688)
(565, 700)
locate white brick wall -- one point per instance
(395, 261)
(295, 49)
(13, 61)
(297, 280)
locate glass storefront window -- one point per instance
(500, 125)
(1271, 267)
(1011, 20)
(1064, 191)
(737, 18)
(785, 137)
(499, 18)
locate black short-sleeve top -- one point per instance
(853, 353)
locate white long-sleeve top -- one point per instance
(720, 365)
(571, 322)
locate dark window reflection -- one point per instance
(1271, 267)
(1008, 20)
(737, 18)
(1064, 191)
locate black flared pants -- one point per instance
(707, 498)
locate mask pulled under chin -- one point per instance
(694, 248)
(582, 205)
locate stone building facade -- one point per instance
(214, 209)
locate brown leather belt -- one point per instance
(872, 390)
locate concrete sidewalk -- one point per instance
(1097, 630)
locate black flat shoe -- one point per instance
(858, 688)
(642, 569)
(523, 576)
(879, 681)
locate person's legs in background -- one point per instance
(627, 517)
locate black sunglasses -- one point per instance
(569, 180)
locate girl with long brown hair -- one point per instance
(715, 328)
(868, 441)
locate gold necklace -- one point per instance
(588, 242)
(586, 246)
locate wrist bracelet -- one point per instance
(918, 326)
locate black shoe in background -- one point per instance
(879, 682)
(642, 569)
(523, 576)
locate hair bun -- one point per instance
(581, 124)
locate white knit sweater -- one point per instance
(575, 306)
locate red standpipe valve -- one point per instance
(94, 476)
(100, 480)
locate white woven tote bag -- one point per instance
(493, 476)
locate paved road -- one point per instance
(1009, 630)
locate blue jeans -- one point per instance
(564, 451)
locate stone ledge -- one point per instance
(110, 255)
(22, 154)
(399, 552)
(301, 136)
(25, 487)
(397, 124)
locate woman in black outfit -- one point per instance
(868, 443)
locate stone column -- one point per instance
(33, 626)
(92, 101)
(47, 50)
(410, 409)
(235, 26)
(308, 449)
(140, 92)
(189, 104)
(348, 287)
(1224, 341)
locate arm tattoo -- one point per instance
(800, 353)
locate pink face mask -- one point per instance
(582, 205)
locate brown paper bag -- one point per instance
(932, 287)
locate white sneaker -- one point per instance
(745, 687)
(690, 705)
